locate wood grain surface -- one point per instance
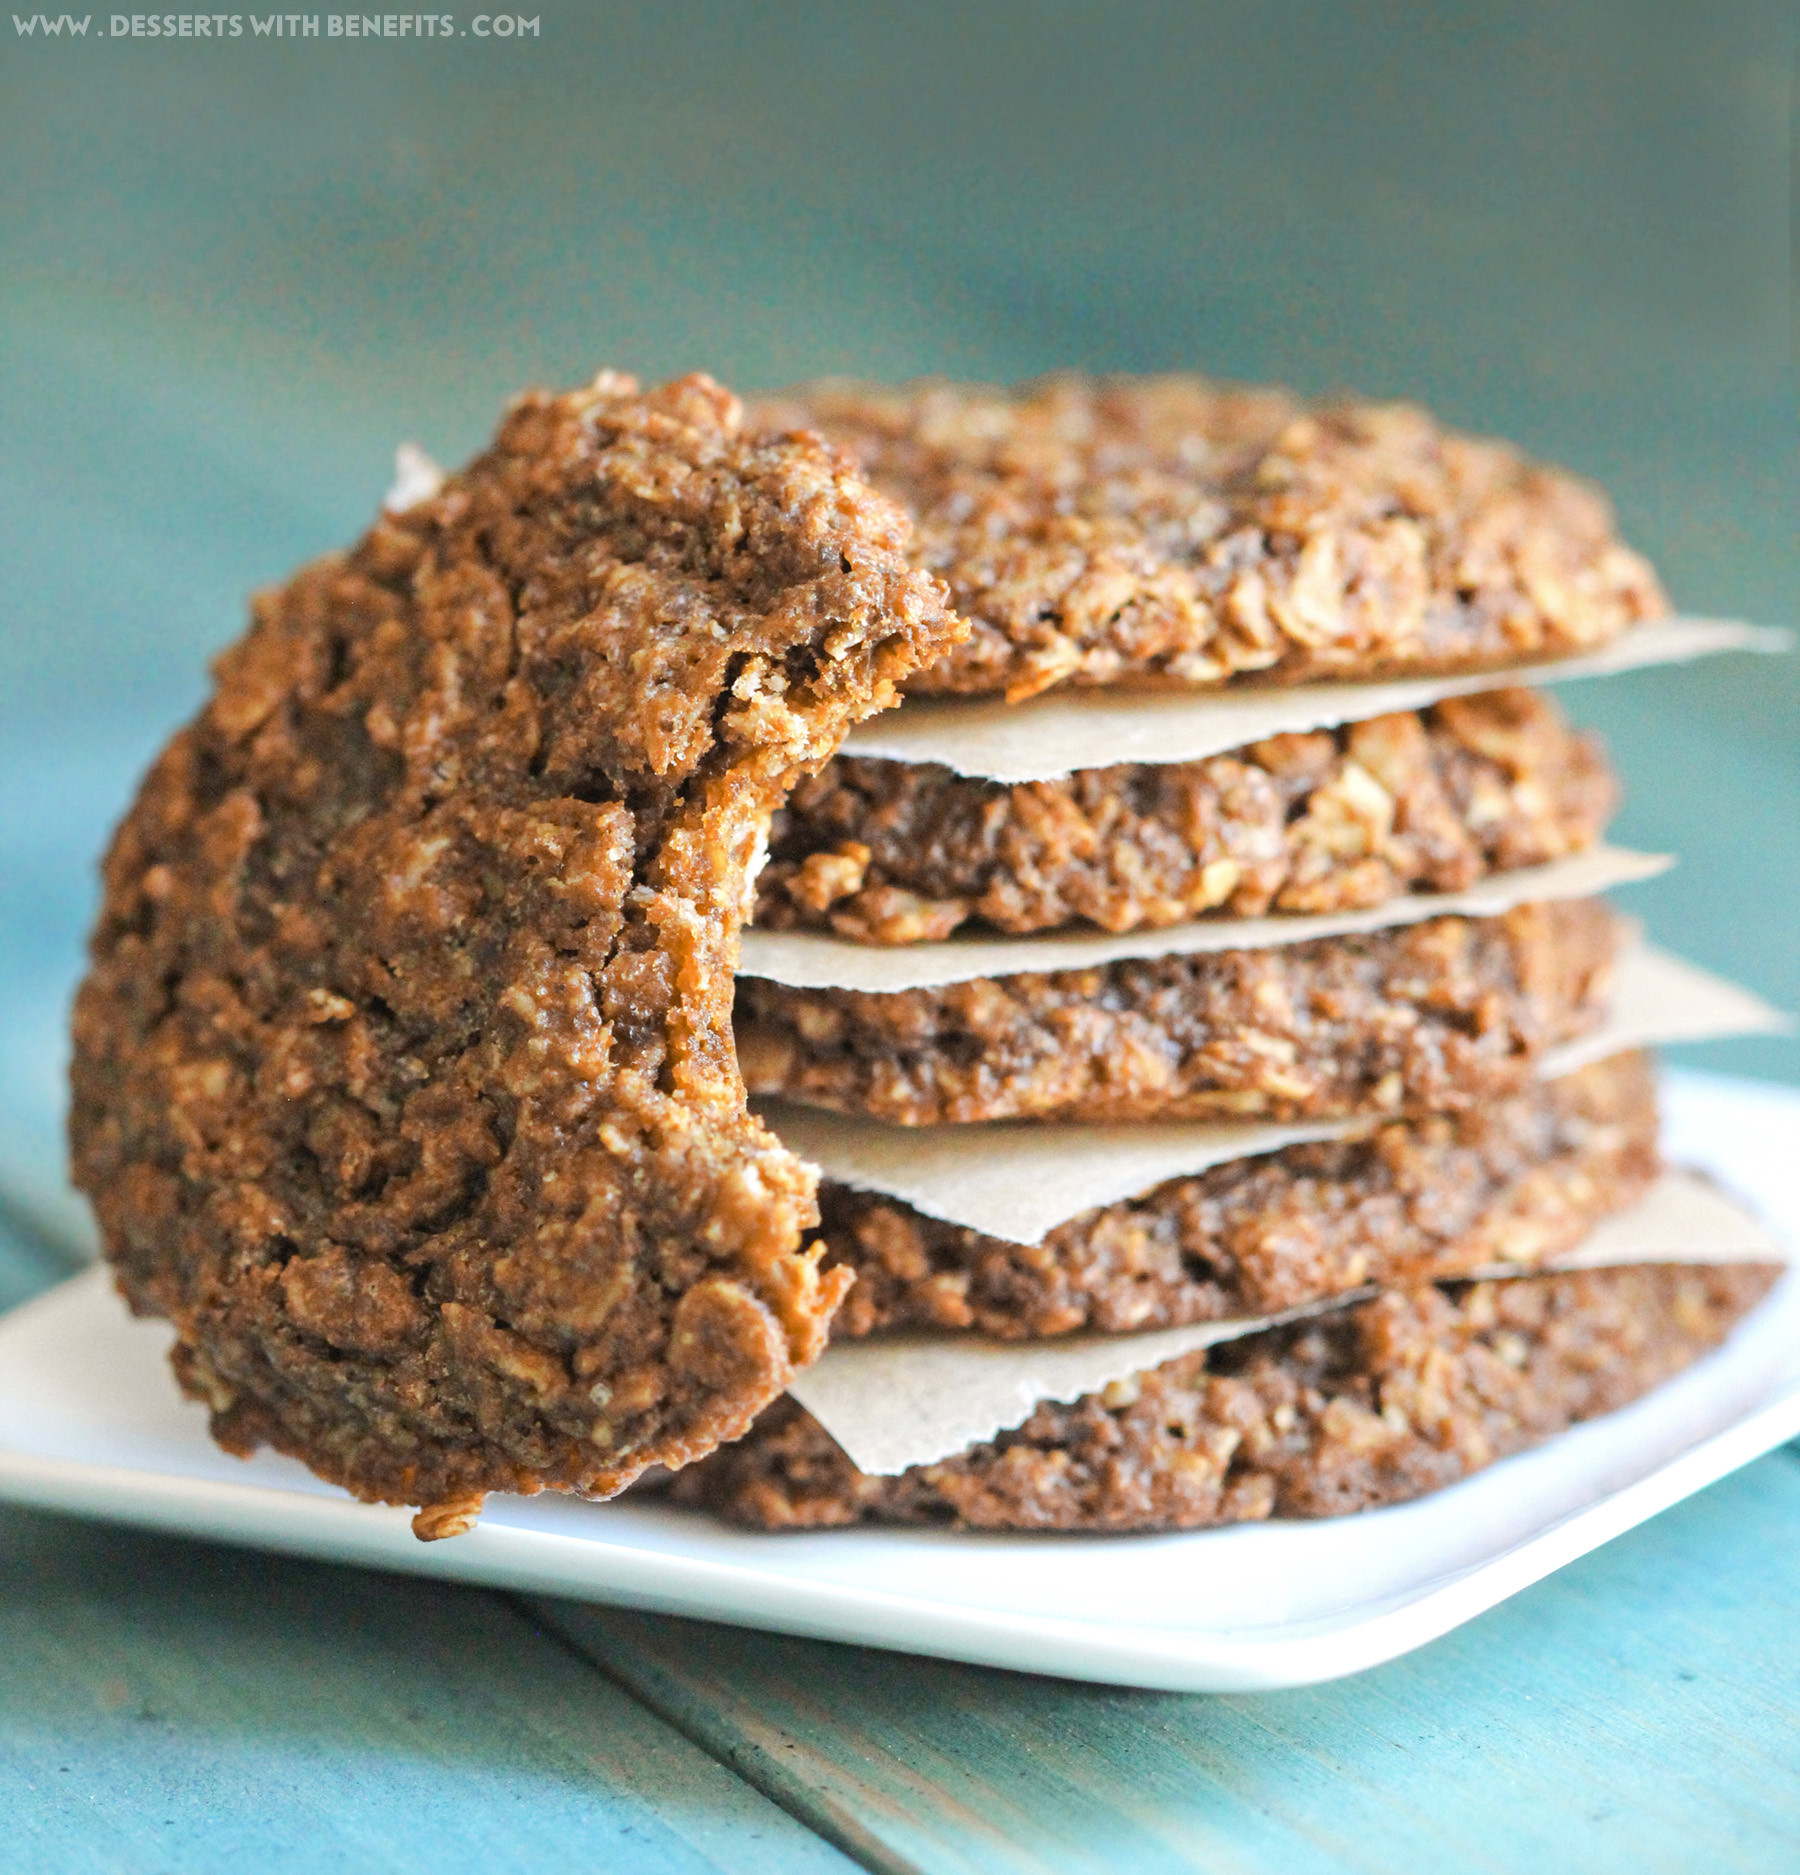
(1638, 1711)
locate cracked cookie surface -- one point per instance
(1177, 531)
(403, 1080)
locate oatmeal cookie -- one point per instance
(1172, 531)
(1517, 1181)
(885, 852)
(1377, 1403)
(403, 1078)
(1438, 1017)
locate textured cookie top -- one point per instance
(404, 1080)
(1174, 531)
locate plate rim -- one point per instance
(331, 1527)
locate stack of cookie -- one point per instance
(1334, 952)
(404, 1079)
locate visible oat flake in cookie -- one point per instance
(1411, 1020)
(1174, 531)
(1370, 1405)
(885, 852)
(404, 1082)
(1511, 1182)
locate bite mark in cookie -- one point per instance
(404, 1082)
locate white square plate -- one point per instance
(90, 1423)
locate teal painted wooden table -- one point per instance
(235, 275)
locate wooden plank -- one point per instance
(171, 1706)
(1640, 1711)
